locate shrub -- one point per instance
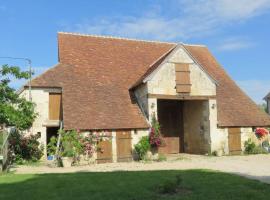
(25, 147)
(71, 144)
(51, 146)
(142, 147)
(171, 187)
(251, 148)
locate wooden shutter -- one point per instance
(182, 78)
(54, 106)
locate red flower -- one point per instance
(261, 132)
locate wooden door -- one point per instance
(123, 146)
(171, 121)
(234, 141)
(54, 106)
(104, 154)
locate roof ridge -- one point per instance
(114, 37)
(195, 45)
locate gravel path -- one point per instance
(254, 166)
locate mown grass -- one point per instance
(195, 184)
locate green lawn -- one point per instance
(195, 184)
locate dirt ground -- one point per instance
(253, 166)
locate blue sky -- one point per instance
(237, 32)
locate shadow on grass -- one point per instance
(202, 184)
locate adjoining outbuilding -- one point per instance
(115, 85)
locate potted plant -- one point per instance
(71, 148)
(51, 148)
(68, 157)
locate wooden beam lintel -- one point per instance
(180, 97)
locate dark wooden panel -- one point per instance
(180, 97)
(54, 106)
(105, 153)
(123, 146)
(234, 141)
(172, 145)
(170, 116)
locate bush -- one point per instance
(171, 187)
(251, 148)
(51, 146)
(26, 148)
(142, 147)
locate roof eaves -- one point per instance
(150, 69)
(197, 62)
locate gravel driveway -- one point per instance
(253, 166)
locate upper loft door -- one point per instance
(54, 106)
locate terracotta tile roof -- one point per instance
(235, 108)
(96, 73)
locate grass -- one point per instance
(195, 184)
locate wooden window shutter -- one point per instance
(182, 78)
(54, 106)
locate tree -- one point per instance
(263, 107)
(14, 110)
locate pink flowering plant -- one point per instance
(90, 143)
(155, 137)
(261, 133)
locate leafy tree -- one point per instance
(14, 110)
(263, 107)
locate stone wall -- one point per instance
(141, 96)
(41, 98)
(163, 79)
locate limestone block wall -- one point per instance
(163, 80)
(196, 127)
(218, 136)
(41, 98)
(248, 133)
(141, 96)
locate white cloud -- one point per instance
(256, 89)
(226, 10)
(191, 18)
(235, 43)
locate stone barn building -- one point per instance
(116, 84)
